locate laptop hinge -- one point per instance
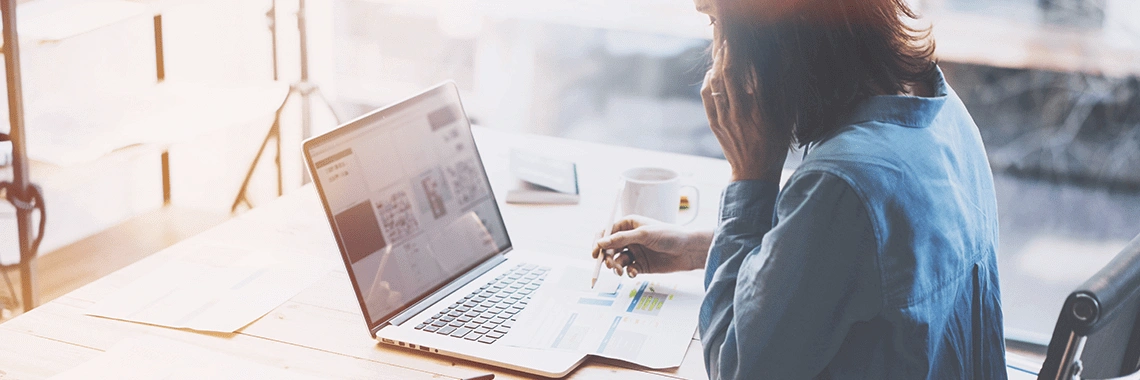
(445, 291)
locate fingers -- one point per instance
(714, 95)
(620, 225)
(621, 240)
(631, 261)
(731, 92)
(707, 99)
(623, 230)
(719, 63)
(626, 232)
(621, 260)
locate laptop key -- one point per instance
(459, 332)
(457, 323)
(482, 330)
(431, 328)
(447, 318)
(439, 323)
(487, 340)
(472, 336)
(495, 334)
(472, 325)
(421, 326)
(464, 318)
(446, 330)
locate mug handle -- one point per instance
(694, 203)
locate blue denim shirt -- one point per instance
(875, 261)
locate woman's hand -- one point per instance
(755, 150)
(643, 245)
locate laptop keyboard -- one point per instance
(488, 313)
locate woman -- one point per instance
(877, 259)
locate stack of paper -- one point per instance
(221, 298)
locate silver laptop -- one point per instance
(421, 235)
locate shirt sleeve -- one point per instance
(787, 276)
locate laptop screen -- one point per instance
(408, 199)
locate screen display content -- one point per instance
(410, 200)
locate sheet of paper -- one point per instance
(221, 297)
(647, 321)
(152, 357)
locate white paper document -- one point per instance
(647, 321)
(212, 296)
(151, 357)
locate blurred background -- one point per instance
(1052, 85)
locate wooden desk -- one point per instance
(321, 331)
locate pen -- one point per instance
(609, 230)
(488, 376)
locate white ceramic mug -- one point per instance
(655, 193)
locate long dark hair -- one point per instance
(814, 62)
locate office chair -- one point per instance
(1098, 333)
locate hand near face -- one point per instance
(754, 149)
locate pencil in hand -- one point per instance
(609, 229)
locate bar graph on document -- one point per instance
(645, 322)
(647, 301)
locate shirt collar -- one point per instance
(904, 110)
